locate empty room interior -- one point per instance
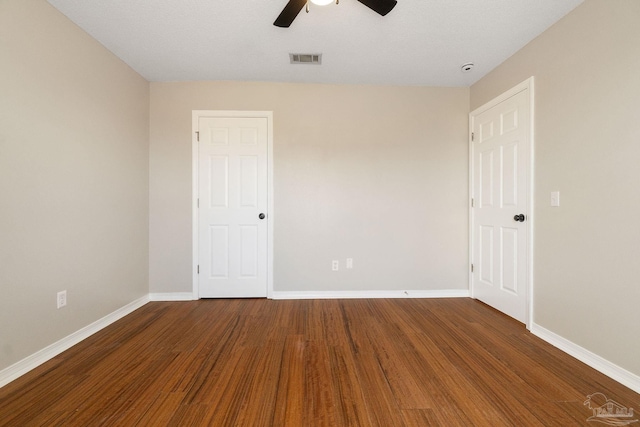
(428, 220)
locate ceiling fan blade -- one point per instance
(380, 6)
(289, 13)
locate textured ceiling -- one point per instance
(420, 42)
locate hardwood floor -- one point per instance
(404, 362)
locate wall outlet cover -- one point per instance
(62, 299)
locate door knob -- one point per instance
(261, 216)
(519, 218)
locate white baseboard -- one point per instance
(598, 363)
(172, 296)
(445, 293)
(36, 359)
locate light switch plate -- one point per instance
(555, 198)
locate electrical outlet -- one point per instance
(349, 263)
(335, 265)
(62, 299)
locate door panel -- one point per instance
(510, 176)
(500, 185)
(218, 240)
(249, 181)
(486, 179)
(248, 250)
(485, 254)
(509, 249)
(232, 194)
(218, 181)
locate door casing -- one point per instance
(527, 85)
(196, 115)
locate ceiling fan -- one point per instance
(294, 7)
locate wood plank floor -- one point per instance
(404, 362)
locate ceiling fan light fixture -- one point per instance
(293, 7)
(322, 2)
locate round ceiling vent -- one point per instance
(467, 67)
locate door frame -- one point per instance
(195, 144)
(527, 85)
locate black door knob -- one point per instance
(519, 218)
(261, 216)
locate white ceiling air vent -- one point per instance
(306, 58)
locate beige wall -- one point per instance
(73, 179)
(378, 174)
(587, 146)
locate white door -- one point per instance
(500, 150)
(233, 200)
